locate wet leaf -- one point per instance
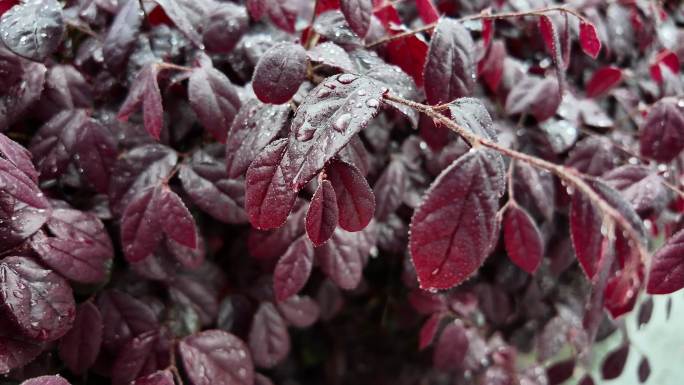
(33, 29)
(269, 340)
(522, 237)
(79, 348)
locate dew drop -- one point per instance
(372, 103)
(342, 122)
(346, 78)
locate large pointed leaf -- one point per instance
(37, 300)
(450, 65)
(214, 357)
(358, 14)
(214, 99)
(145, 93)
(254, 127)
(33, 29)
(269, 340)
(293, 269)
(268, 195)
(79, 348)
(455, 228)
(585, 229)
(329, 117)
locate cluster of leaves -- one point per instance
(479, 180)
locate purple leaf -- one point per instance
(614, 362)
(145, 93)
(268, 195)
(16, 350)
(175, 219)
(214, 357)
(429, 330)
(19, 156)
(327, 119)
(18, 98)
(332, 55)
(358, 14)
(323, 214)
(79, 348)
(535, 96)
(254, 127)
(208, 186)
(33, 29)
(279, 73)
(355, 199)
(343, 256)
(123, 317)
(389, 189)
(269, 340)
(585, 229)
(455, 228)
(273, 243)
(199, 295)
(644, 370)
(641, 187)
(122, 35)
(214, 99)
(182, 20)
(38, 301)
(450, 65)
(645, 312)
(144, 354)
(46, 380)
(299, 311)
(66, 88)
(537, 185)
(283, 13)
(662, 134)
(227, 23)
(161, 377)
(593, 156)
(293, 269)
(451, 348)
(523, 240)
(136, 170)
(667, 267)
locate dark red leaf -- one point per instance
(666, 60)
(585, 228)
(144, 354)
(589, 40)
(343, 256)
(214, 99)
(358, 14)
(293, 269)
(279, 73)
(208, 186)
(16, 350)
(614, 362)
(327, 119)
(667, 267)
(536, 184)
(79, 348)
(410, 54)
(46, 380)
(122, 35)
(299, 311)
(640, 186)
(269, 196)
(333, 26)
(586, 380)
(182, 20)
(455, 228)
(561, 371)
(524, 244)
(37, 300)
(603, 80)
(389, 189)
(621, 292)
(645, 312)
(594, 156)
(549, 35)
(427, 11)
(491, 67)
(355, 198)
(33, 29)
(273, 243)
(451, 347)
(644, 371)
(535, 96)
(322, 216)
(662, 134)
(123, 317)
(269, 340)
(429, 330)
(254, 127)
(161, 377)
(226, 24)
(487, 31)
(332, 55)
(450, 66)
(214, 357)
(283, 13)
(18, 98)
(18, 156)
(145, 93)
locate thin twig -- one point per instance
(480, 16)
(568, 175)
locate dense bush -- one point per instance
(335, 191)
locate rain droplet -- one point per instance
(342, 122)
(346, 78)
(372, 103)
